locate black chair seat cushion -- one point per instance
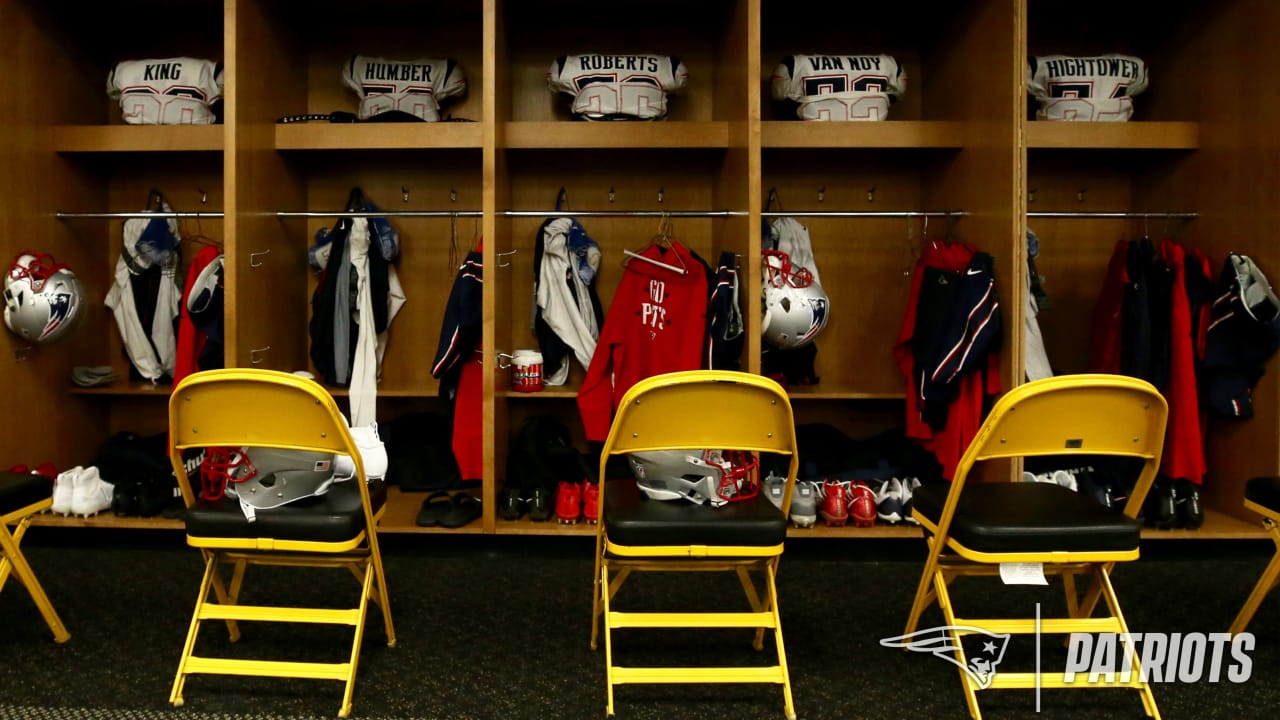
(1264, 491)
(18, 490)
(632, 518)
(335, 516)
(1021, 517)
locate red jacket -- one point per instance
(656, 324)
(1183, 444)
(190, 340)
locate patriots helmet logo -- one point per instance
(818, 310)
(61, 306)
(944, 642)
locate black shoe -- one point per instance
(1096, 487)
(1187, 500)
(510, 504)
(539, 502)
(153, 495)
(1160, 510)
(124, 498)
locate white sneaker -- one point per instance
(909, 485)
(92, 493)
(889, 501)
(372, 452)
(63, 490)
(775, 488)
(1066, 480)
(1028, 477)
(804, 505)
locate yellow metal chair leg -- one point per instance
(753, 599)
(1113, 604)
(608, 635)
(384, 598)
(349, 691)
(15, 562)
(210, 570)
(925, 590)
(18, 532)
(595, 597)
(789, 706)
(1265, 583)
(940, 583)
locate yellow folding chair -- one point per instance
(268, 409)
(701, 409)
(21, 496)
(1262, 495)
(974, 527)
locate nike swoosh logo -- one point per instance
(973, 272)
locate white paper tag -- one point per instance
(1023, 573)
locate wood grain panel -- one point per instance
(864, 263)
(266, 284)
(417, 32)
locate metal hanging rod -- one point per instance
(625, 213)
(1118, 215)
(381, 213)
(866, 213)
(113, 215)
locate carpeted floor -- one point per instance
(499, 627)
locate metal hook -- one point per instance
(661, 194)
(612, 194)
(204, 196)
(253, 355)
(453, 195)
(254, 255)
(822, 193)
(501, 357)
(404, 193)
(1031, 195)
(506, 254)
(1080, 194)
(871, 194)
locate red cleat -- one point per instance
(835, 507)
(568, 502)
(590, 502)
(862, 504)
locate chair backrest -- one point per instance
(708, 409)
(1084, 414)
(237, 407)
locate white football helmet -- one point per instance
(42, 298)
(265, 478)
(795, 307)
(699, 476)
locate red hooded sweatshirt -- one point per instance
(656, 324)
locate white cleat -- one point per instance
(92, 494)
(64, 490)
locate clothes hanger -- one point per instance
(663, 240)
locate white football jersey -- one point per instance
(617, 86)
(169, 91)
(839, 87)
(416, 87)
(1096, 88)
